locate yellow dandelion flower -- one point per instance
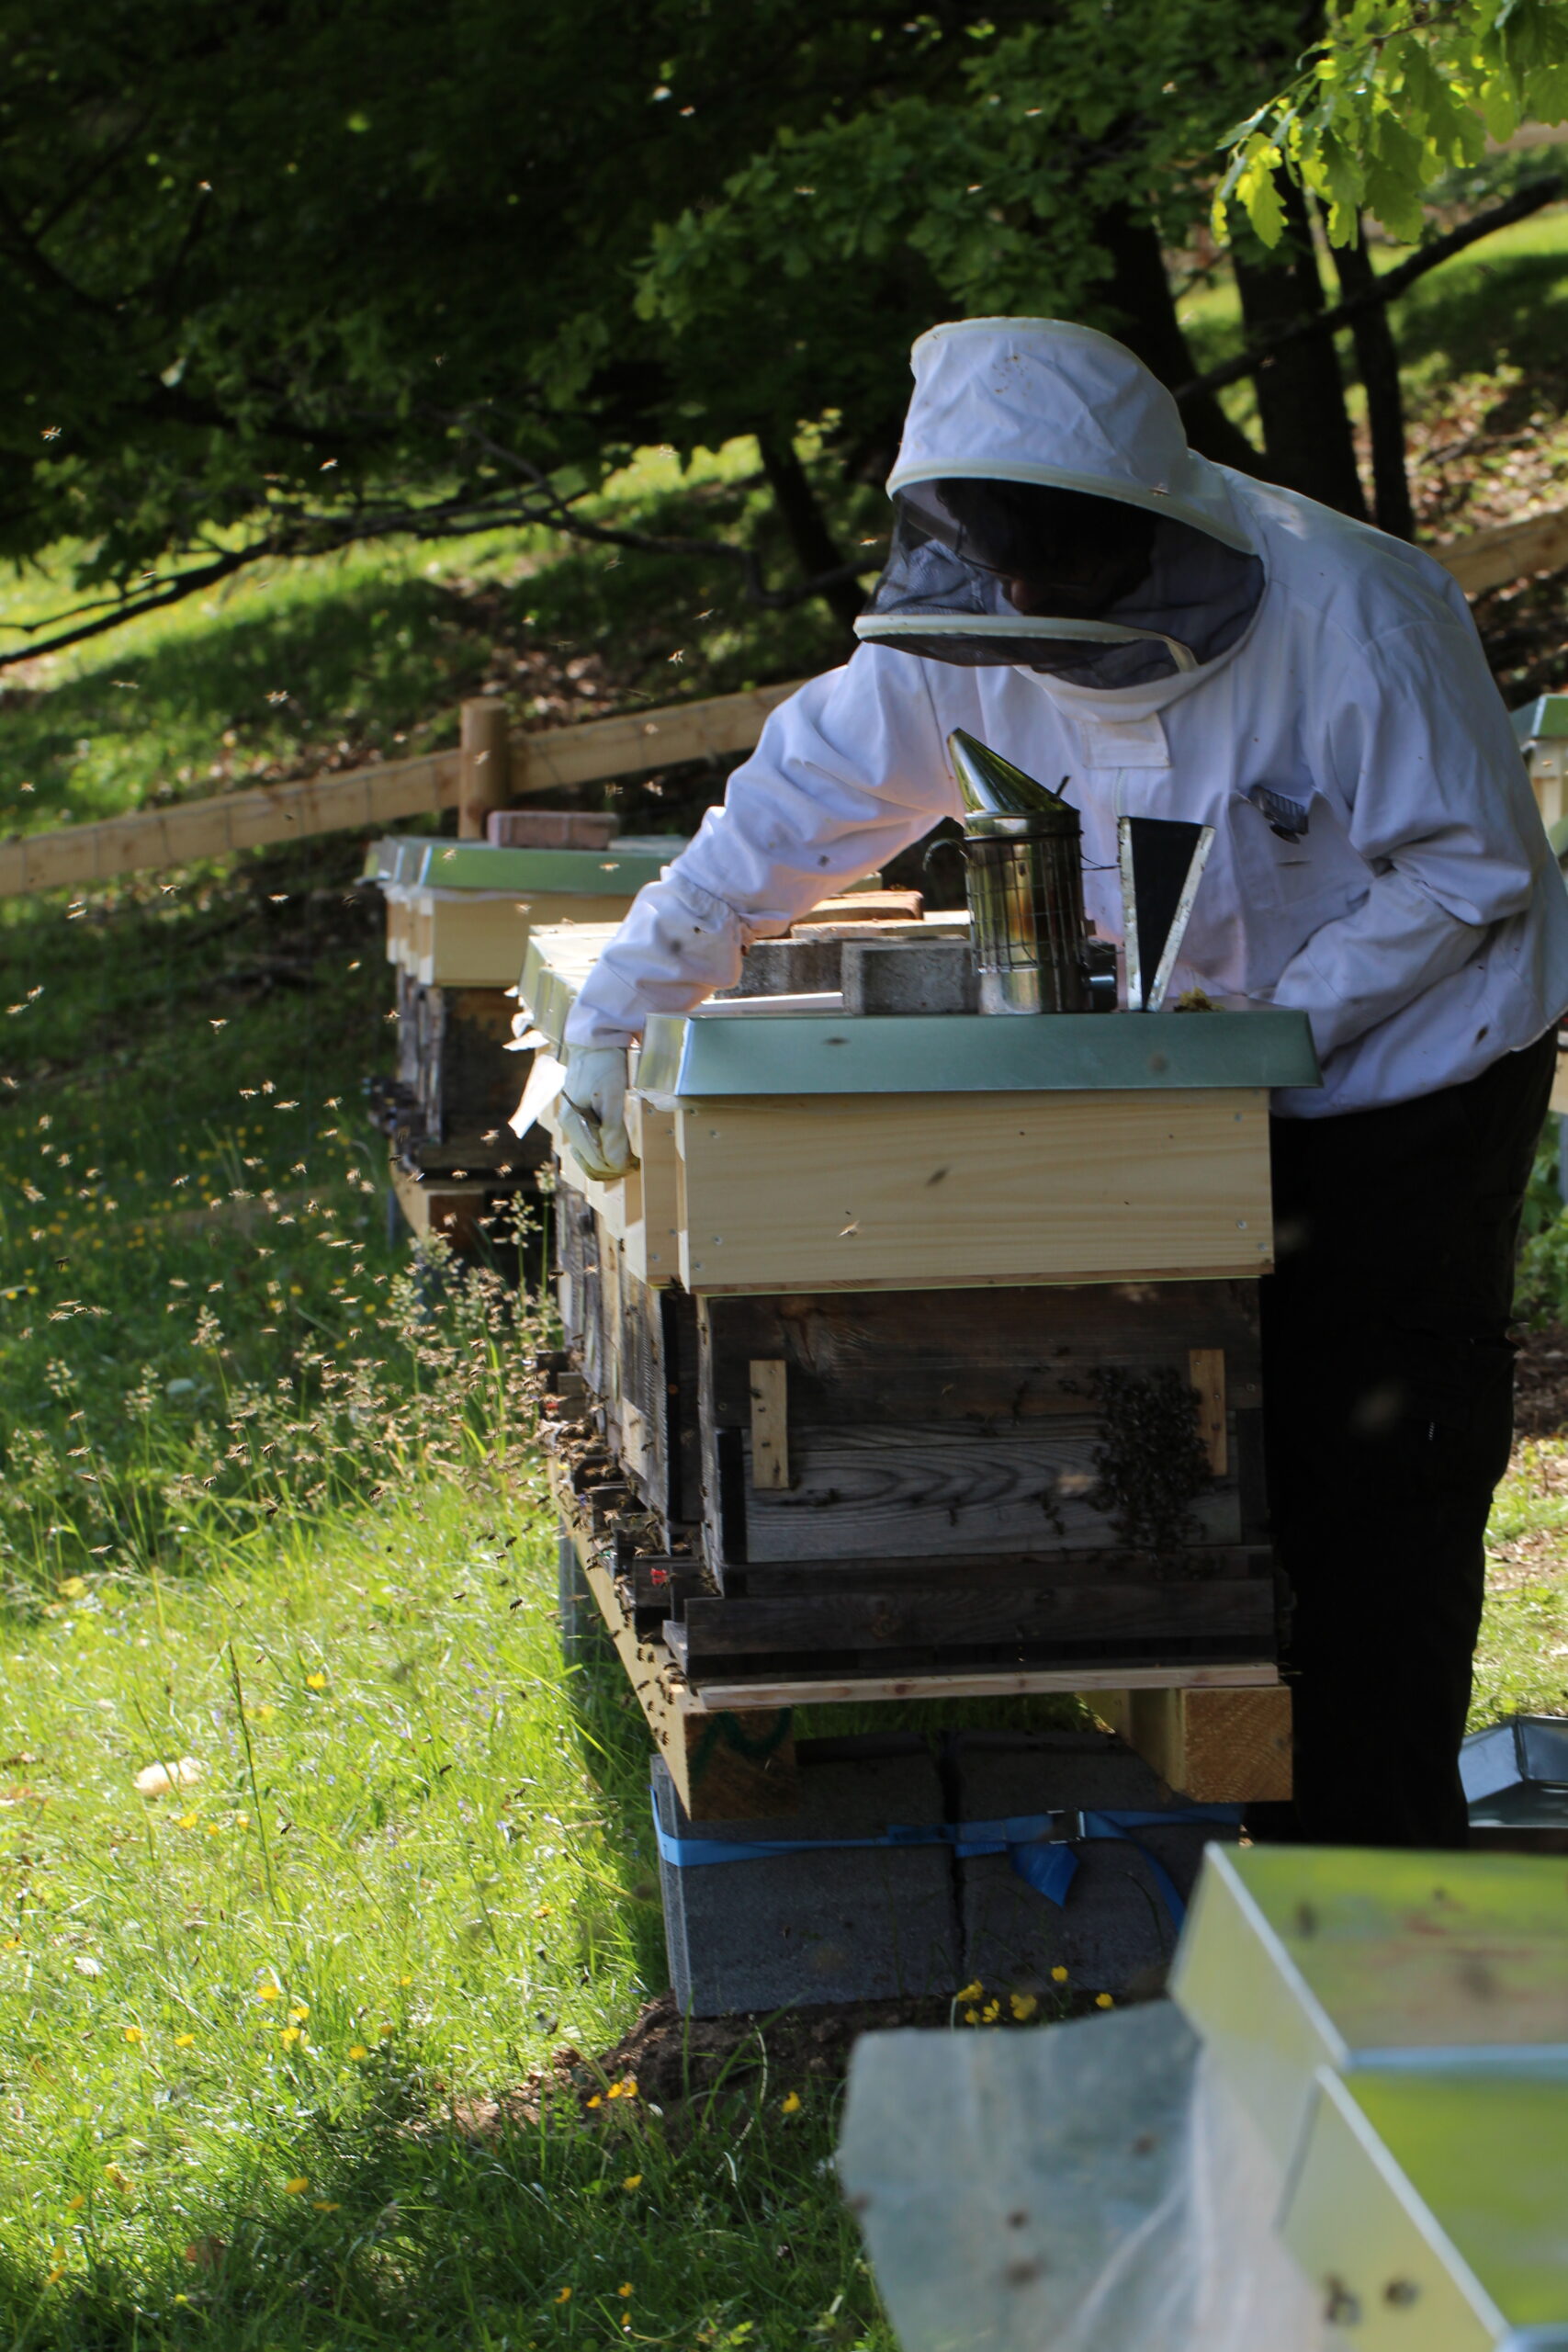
(11, 1943)
(297, 2187)
(971, 2017)
(1024, 2005)
(614, 2091)
(790, 2103)
(315, 1683)
(357, 2050)
(405, 1980)
(183, 2041)
(1104, 2001)
(544, 1911)
(263, 1715)
(268, 1993)
(388, 2031)
(632, 2180)
(1058, 1977)
(242, 1821)
(290, 2036)
(565, 2295)
(75, 2204)
(596, 2100)
(629, 2088)
(969, 1992)
(299, 2013)
(188, 1820)
(133, 2033)
(625, 2290)
(991, 2013)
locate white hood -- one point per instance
(1039, 400)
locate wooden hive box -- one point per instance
(458, 921)
(888, 1327)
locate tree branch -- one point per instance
(297, 533)
(1385, 289)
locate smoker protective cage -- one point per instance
(1027, 926)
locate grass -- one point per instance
(238, 2017)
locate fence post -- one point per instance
(483, 782)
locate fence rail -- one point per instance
(489, 770)
(493, 767)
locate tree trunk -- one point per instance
(1139, 291)
(1301, 400)
(808, 534)
(1377, 359)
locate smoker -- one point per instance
(1024, 881)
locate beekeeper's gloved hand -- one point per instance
(593, 1110)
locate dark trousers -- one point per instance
(1388, 1389)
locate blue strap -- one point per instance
(1039, 1845)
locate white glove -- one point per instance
(593, 1110)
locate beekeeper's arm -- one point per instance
(850, 770)
(1420, 753)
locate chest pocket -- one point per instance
(1292, 858)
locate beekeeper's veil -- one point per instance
(1049, 514)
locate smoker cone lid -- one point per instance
(993, 788)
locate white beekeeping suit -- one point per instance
(1312, 689)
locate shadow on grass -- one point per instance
(1488, 313)
(725, 2229)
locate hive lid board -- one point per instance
(395, 858)
(967, 1053)
(622, 865)
(1541, 721)
(1296, 1957)
(1430, 2208)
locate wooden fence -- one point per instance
(493, 767)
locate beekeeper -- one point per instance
(1070, 583)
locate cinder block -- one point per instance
(910, 975)
(550, 829)
(789, 968)
(1115, 1932)
(851, 1924)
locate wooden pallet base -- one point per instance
(728, 1763)
(730, 1746)
(1217, 1746)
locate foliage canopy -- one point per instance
(285, 274)
(1391, 99)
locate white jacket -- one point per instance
(1420, 919)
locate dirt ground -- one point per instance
(1541, 1391)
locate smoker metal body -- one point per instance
(1023, 864)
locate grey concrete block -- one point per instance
(851, 1924)
(910, 975)
(789, 968)
(1115, 1932)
